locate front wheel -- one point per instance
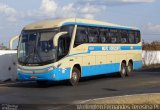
(123, 70)
(75, 76)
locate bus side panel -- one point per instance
(100, 69)
(119, 58)
(136, 58)
(137, 64)
(87, 67)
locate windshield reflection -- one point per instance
(36, 48)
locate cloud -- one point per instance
(90, 10)
(115, 2)
(8, 11)
(138, 1)
(154, 28)
(89, 16)
(48, 6)
(66, 11)
(52, 9)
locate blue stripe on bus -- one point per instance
(97, 25)
(100, 48)
(126, 48)
(106, 68)
(137, 47)
(100, 69)
(137, 65)
(86, 71)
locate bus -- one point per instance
(70, 49)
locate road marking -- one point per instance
(84, 101)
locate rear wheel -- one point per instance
(123, 70)
(129, 69)
(75, 77)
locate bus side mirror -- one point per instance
(56, 37)
(11, 42)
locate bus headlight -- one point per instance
(18, 69)
(51, 68)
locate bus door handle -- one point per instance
(71, 60)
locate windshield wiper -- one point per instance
(28, 57)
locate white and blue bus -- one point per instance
(68, 49)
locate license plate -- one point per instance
(33, 77)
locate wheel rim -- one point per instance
(123, 71)
(74, 76)
(129, 69)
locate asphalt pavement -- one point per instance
(146, 81)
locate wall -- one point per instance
(8, 61)
(151, 57)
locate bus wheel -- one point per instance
(75, 77)
(129, 69)
(123, 71)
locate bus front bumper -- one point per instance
(54, 75)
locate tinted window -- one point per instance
(131, 37)
(64, 41)
(68, 29)
(108, 36)
(137, 36)
(102, 36)
(119, 34)
(63, 46)
(114, 36)
(124, 36)
(93, 35)
(81, 36)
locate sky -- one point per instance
(144, 14)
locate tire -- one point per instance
(129, 69)
(123, 71)
(74, 80)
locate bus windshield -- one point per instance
(36, 47)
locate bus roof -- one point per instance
(47, 24)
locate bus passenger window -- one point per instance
(124, 37)
(113, 40)
(93, 36)
(114, 35)
(102, 37)
(108, 37)
(137, 36)
(131, 37)
(81, 36)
